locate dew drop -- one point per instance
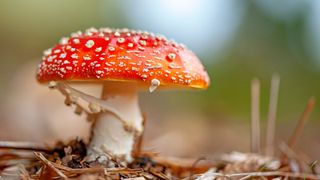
(121, 40)
(143, 42)
(173, 66)
(155, 83)
(171, 57)
(89, 44)
(74, 56)
(86, 57)
(57, 51)
(63, 55)
(144, 35)
(130, 45)
(144, 76)
(63, 70)
(52, 84)
(111, 48)
(64, 40)
(117, 34)
(141, 48)
(69, 68)
(47, 52)
(76, 41)
(99, 49)
(101, 34)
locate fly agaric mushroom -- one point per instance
(122, 61)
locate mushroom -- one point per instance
(122, 62)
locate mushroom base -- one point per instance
(115, 128)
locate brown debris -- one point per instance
(49, 164)
(69, 162)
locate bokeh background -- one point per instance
(236, 40)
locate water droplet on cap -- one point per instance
(76, 41)
(52, 84)
(99, 49)
(171, 56)
(130, 45)
(155, 83)
(111, 48)
(143, 42)
(89, 44)
(121, 40)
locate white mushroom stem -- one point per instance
(110, 134)
(118, 118)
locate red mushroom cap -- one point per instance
(122, 55)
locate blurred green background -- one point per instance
(236, 40)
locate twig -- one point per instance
(12, 175)
(49, 164)
(290, 153)
(249, 177)
(178, 165)
(95, 170)
(159, 175)
(246, 177)
(24, 146)
(196, 162)
(78, 171)
(293, 159)
(74, 172)
(255, 116)
(24, 175)
(301, 123)
(274, 91)
(210, 174)
(276, 173)
(267, 174)
(117, 160)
